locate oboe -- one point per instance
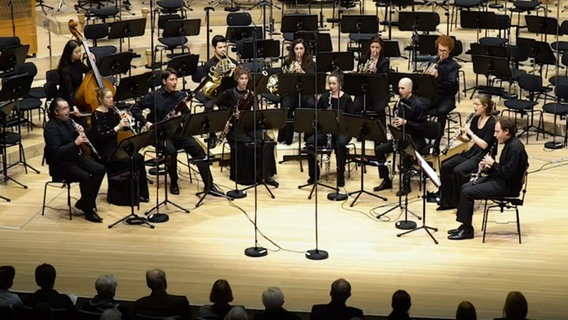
(89, 144)
(457, 134)
(476, 175)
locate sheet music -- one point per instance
(428, 170)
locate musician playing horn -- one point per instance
(504, 178)
(66, 161)
(374, 62)
(220, 48)
(298, 60)
(457, 170)
(160, 103)
(240, 141)
(446, 74)
(334, 99)
(105, 124)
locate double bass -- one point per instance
(86, 94)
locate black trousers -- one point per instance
(440, 108)
(383, 149)
(339, 144)
(454, 173)
(286, 134)
(88, 172)
(190, 146)
(483, 189)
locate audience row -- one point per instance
(46, 303)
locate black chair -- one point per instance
(533, 85)
(561, 46)
(503, 203)
(140, 316)
(171, 7)
(96, 32)
(556, 80)
(103, 13)
(29, 103)
(557, 109)
(88, 315)
(64, 183)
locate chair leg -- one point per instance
(68, 185)
(44, 195)
(484, 223)
(518, 224)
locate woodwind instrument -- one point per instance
(480, 169)
(129, 117)
(244, 100)
(457, 134)
(89, 144)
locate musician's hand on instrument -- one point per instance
(148, 125)
(434, 73)
(237, 114)
(399, 122)
(92, 56)
(81, 139)
(76, 112)
(488, 160)
(373, 69)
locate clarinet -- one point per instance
(330, 108)
(89, 144)
(457, 134)
(476, 175)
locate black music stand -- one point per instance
(491, 66)
(127, 29)
(133, 87)
(479, 20)
(310, 122)
(423, 85)
(299, 22)
(330, 61)
(359, 27)
(238, 33)
(5, 112)
(542, 25)
(126, 149)
(415, 22)
(115, 64)
(181, 27)
(207, 123)
(318, 41)
(363, 129)
(11, 56)
(185, 65)
(357, 84)
(268, 48)
(163, 130)
(428, 174)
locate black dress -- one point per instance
(104, 138)
(243, 166)
(70, 78)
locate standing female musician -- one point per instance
(334, 99)
(457, 170)
(374, 62)
(298, 60)
(71, 70)
(242, 152)
(446, 74)
(106, 124)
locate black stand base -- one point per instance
(427, 228)
(256, 252)
(5, 199)
(232, 8)
(157, 215)
(237, 194)
(405, 225)
(554, 145)
(360, 192)
(204, 194)
(317, 254)
(158, 218)
(336, 196)
(132, 219)
(258, 184)
(314, 187)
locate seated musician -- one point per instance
(243, 165)
(298, 60)
(446, 75)
(457, 170)
(66, 161)
(334, 99)
(71, 70)
(160, 103)
(504, 178)
(374, 62)
(106, 123)
(220, 53)
(410, 117)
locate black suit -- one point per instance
(54, 299)
(163, 304)
(335, 311)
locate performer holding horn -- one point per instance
(334, 99)
(106, 122)
(457, 170)
(218, 72)
(298, 60)
(374, 62)
(238, 99)
(446, 74)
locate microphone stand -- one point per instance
(336, 196)
(236, 193)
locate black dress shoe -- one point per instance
(215, 192)
(91, 215)
(404, 191)
(386, 184)
(461, 235)
(341, 181)
(272, 182)
(443, 208)
(456, 230)
(174, 188)
(144, 199)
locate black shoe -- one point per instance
(271, 182)
(215, 192)
(341, 181)
(174, 188)
(456, 230)
(404, 191)
(91, 215)
(311, 180)
(144, 199)
(443, 208)
(386, 184)
(462, 235)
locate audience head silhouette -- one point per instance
(340, 290)
(400, 301)
(516, 306)
(236, 313)
(221, 292)
(7, 274)
(156, 280)
(106, 286)
(466, 311)
(272, 298)
(45, 276)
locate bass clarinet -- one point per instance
(457, 134)
(476, 175)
